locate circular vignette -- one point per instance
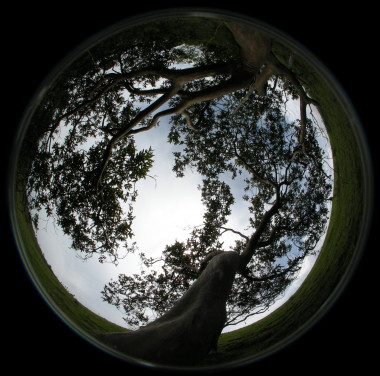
(311, 60)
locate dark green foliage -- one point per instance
(86, 164)
(83, 176)
(95, 221)
(261, 146)
(140, 295)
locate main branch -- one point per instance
(254, 240)
(236, 82)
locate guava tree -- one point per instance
(225, 90)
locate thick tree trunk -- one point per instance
(255, 46)
(255, 51)
(188, 331)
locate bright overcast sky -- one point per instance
(164, 210)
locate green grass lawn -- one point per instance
(49, 286)
(327, 273)
(340, 243)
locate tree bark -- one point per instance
(189, 330)
(254, 45)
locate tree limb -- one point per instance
(231, 85)
(254, 45)
(178, 77)
(254, 171)
(148, 92)
(270, 238)
(293, 264)
(188, 120)
(254, 239)
(235, 231)
(128, 127)
(246, 316)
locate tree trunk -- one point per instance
(187, 332)
(255, 53)
(255, 46)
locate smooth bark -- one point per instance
(189, 330)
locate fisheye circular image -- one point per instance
(190, 190)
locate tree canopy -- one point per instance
(225, 92)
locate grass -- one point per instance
(340, 243)
(328, 271)
(48, 284)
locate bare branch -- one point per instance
(281, 69)
(178, 77)
(148, 92)
(234, 231)
(188, 120)
(254, 240)
(249, 92)
(246, 316)
(293, 264)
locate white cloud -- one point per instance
(165, 209)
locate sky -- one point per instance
(165, 209)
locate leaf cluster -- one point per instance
(86, 163)
(83, 110)
(62, 183)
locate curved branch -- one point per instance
(188, 120)
(235, 231)
(269, 277)
(148, 92)
(281, 69)
(178, 77)
(305, 100)
(254, 171)
(236, 82)
(270, 238)
(128, 128)
(254, 240)
(246, 316)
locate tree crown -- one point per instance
(225, 92)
